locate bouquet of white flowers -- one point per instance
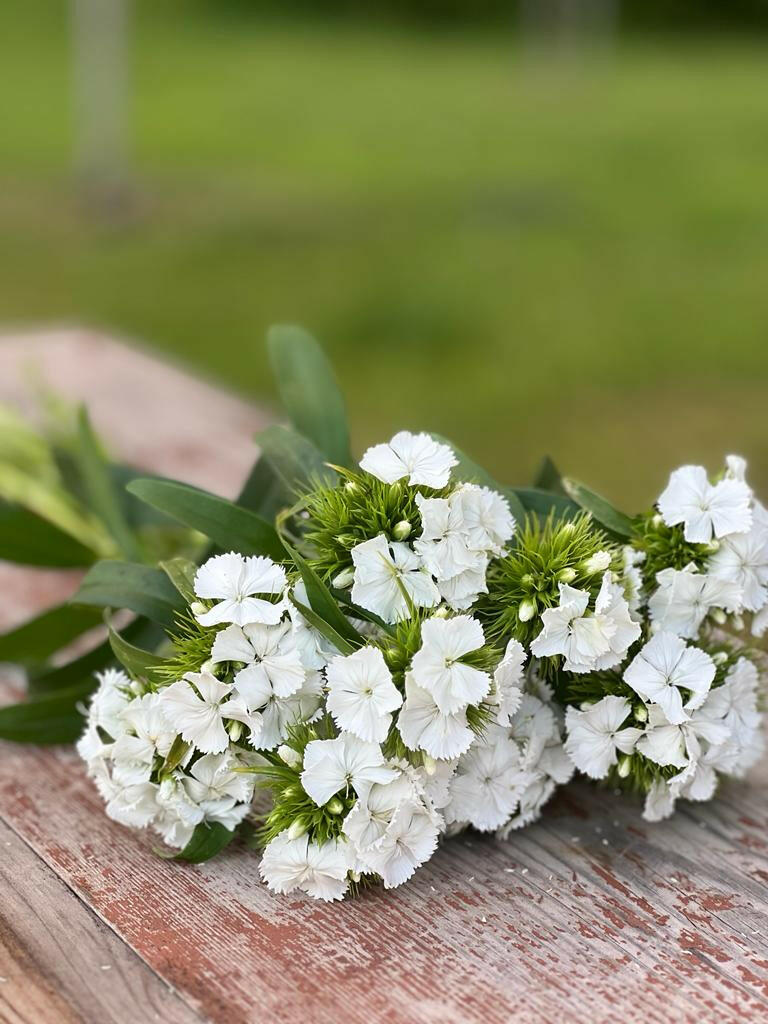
(391, 651)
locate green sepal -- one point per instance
(175, 756)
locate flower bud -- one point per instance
(718, 615)
(720, 657)
(658, 519)
(527, 580)
(567, 528)
(355, 876)
(441, 612)
(738, 622)
(641, 713)
(135, 687)
(402, 530)
(625, 763)
(430, 764)
(198, 608)
(334, 806)
(351, 486)
(207, 666)
(289, 792)
(343, 579)
(289, 756)
(526, 610)
(598, 562)
(714, 545)
(235, 730)
(567, 575)
(297, 829)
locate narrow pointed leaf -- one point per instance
(296, 461)
(544, 502)
(53, 718)
(141, 589)
(181, 572)
(38, 638)
(28, 539)
(207, 840)
(549, 478)
(263, 491)
(229, 526)
(309, 390)
(602, 510)
(137, 662)
(322, 627)
(322, 601)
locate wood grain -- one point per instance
(60, 963)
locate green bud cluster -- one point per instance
(665, 547)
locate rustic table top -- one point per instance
(590, 915)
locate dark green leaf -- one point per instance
(548, 478)
(342, 645)
(181, 572)
(38, 638)
(138, 514)
(323, 603)
(137, 662)
(470, 472)
(140, 588)
(207, 840)
(310, 391)
(53, 718)
(103, 498)
(602, 510)
(543, 502)
(263, 491)
(28, 539)
(295, 460)
(176, 755)
(230, 526)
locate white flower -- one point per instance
(314, 649)
(333, 765)
(361, 694)
(663, 668)
(371, 815)
(742, 559)
(659, 801)
(146, 736)
(486, 520)
(320, 870)
(533, 727)
(196, 707)
(109, 700)
(443, 543)
(632, 576)
(619, 628)
(177, 815)
(223, 794)
(685, 597)
(133, 805)
(667, 744)
(437, 668)
(704, 509)
(410, 839)
(596, 734)
(424, 727)
(383, 572)
(581, 639)
(598, 562)
(234, 581)
(488, 783)
(507, 677)
(415, 456)
(278, 713)
(273, 663)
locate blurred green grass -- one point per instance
(565, 256)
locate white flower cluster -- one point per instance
(460, 533)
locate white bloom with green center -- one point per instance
(507, 677)
(423, 726)
(318, 869)
(278, 714)
(416, 457)
(581, 639)
(410, 840)
(146, 736)
(489, 782)
(341, 764)
(374, 810)
(197, 706)
(596, 735)
(487, 522)
(667, 744)
(672, 675)
(704, 509)
(437, 666)
(385, 573)
(685, 597)
(619, 628)
(241, 586)
(742, 559)
(223, 794)
(109, 701)
(271, 659)
(361, 694)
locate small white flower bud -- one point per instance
(441, 612)
(297, 829)
(135, 687)
(207, 666)
(598, 562)
(658, 519)
(719, 616)
(402, 530)
(625, 763)
(568, 527)
(641, 713)
(198, 608)
(334, 806)
(343, 579)
(235, 730)
(351, 486)
(567, 575)
(430, 765)
(720, 657)
(355, 876)
(738, 622)
(289, 756)
(714, 545)
(526, 610)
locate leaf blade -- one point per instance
(207, 840)
(28, 539)
(41, 636)
(602, 510)
(140, 588)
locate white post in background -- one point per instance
(100, 73)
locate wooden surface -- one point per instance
(590, 915)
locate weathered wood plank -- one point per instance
(59, 962)
(589, 915)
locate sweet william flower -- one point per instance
(705, 510)
(272, 661)
(415, 456)
(437, 666)
(240, 586)
(343, 763)
(361, 694)
(423, 726)
(684, 598)
(666, 666)
(410, 840)
(383, 571)
(196, 707)
(317, 869)
(374, 810)
(619, 628)
(507, 678)
(488, 783)
(742, 559)
(568, 631)
(595, 735)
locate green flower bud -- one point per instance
(355, 876)
(289, 792)
(235, 730)
(625, 763)
(657, 520)
(720, 657)
(526, 610)
(334, 806)
(441, 612)
(527, 580)
(135, 687)
(718, 615)
(289, 756)
(198, 608)
(297, 829)
(343, 579)
(567, 575)
(641, 713)
(402, 530)
(714, 545)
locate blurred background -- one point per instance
(535, 227)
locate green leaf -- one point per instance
(80, 670)
(103, 497)
(323, 603)
(263, 491)
(549, 478)
(322, 627)
(38, 638)
(544, 502)
(295, 460)
(28, 539)
(137, 662)
(53, 718)
(207, 840)
(175, 756)
(470, 472)
(602, 510)
(181, 572)
(140, 588)
(230, 526)
(310, 391)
